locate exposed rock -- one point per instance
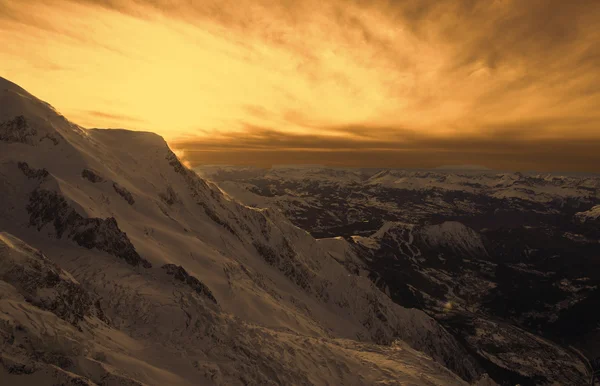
(121, 191)
(176, 164)
(199, 190)
(32, 173)
(169, 197)
(91, 176)
(215, 217)
(43, 283)
(54, 138)
(287, 264)
(17, 130)
(179, 273)
(47, 206)
(16, 367)
(105, 235)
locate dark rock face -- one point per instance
(176, 164)
(17, 130)
(179, 273)
(71, 303)
(15, 367)
(105, 235)
(47, 206)
(48, 287)
(32, 173)
(169, 197)
(286, 262)
(215, 217)
(54, 138)
(198, 188)
(91, 176)
(121, 191)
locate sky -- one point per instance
(507, 84)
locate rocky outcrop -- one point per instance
(169, 197)
(176, 164)
(43, 284)
(32, 173)
(17, 130)
(286, 262)
(46, 206)
(215, 217)
(124, 193)
(91, 176)
(52, 137)
(179, 273)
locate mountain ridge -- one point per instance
(200, 270)
(506, 261)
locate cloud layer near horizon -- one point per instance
(503, 83)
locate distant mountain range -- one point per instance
(508, 262)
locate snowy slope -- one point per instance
(535, 188)
(45, 346)
(492, 256)
(444, 268)
(589, 215)
(191, 286)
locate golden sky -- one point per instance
(508, 84)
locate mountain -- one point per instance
(118, 265)
(346, 202)
(507, 262)
(591, 215)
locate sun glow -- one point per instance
(383, 75)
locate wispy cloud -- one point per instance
(114, 117)
(461, 76)
(505, 148)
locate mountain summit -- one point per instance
(118, 265)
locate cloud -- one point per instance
(114, 117)
(503, 150)
(462, 77)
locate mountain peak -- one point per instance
(8, 85)
(10, 91)
(146, 138)
(17, 102)
(27, 119)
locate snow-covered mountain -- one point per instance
(507, 262)
(118, 265)
(447, 270)
(345, 202)
(591, 215)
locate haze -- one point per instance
(505, 84)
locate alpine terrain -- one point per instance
(506, 262)
(120, 266)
